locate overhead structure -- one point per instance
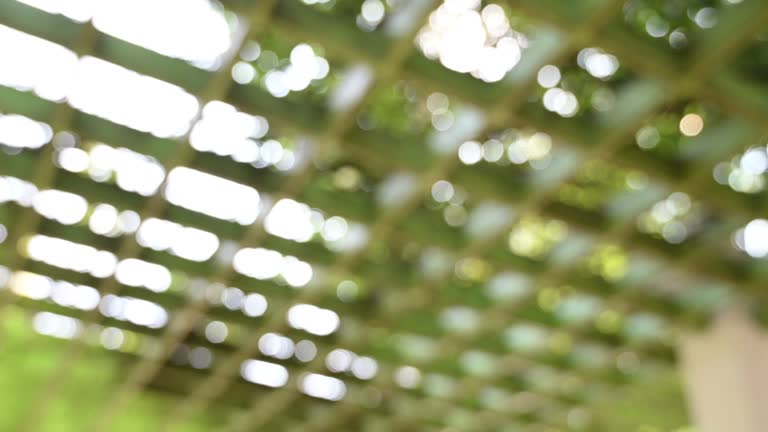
(375, 215)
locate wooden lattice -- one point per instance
(539, 290)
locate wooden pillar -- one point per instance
(726, 375)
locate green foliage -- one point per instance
(655, 402)
(398, 108)
(672, 14)
(29, 360)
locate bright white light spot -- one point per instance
(216, 331)
(407, 377)
(647, 137)
(305, 351)
(656, 26)
(73, 159)
(264, 373)
(455, 215)
(137, 273)
(31, 63)
(255, 305)
(296, 272)
(548, 76)
(20, 191)
(740, 179)
(339, 360)
(602, 65)
(142, 312)
(75, 296)
(322, 68)
(156, 26)
(706, 17)
(691, 125)
(111, 338)
(756, 238)
(365, 368)
(662, 213)
(679, 203)
(571, 106)
(136, 311)
(71, 256)
(30, 285)
(313, 319)
(227, 132)
(243, 73)
(304, 67)
(347, 291)
(442, 191)
(103, 220)
(63, 207)
(275, 83)
(128, 98)
(134, 172)
(463, 42)
(247, 152)
(493, 150)
(561, 101)
(128, 221)
(467, 41)
(233, 298)
(272, 152)
(495, 20)
(437, 103)
(598, 63)
(262, 264)
(290, 220)
(354, 238)
(334, 229)
(60, 326)
(277, 346)
(251, 51)
(323, 387)
(755, 161)
(258, 263)
(674, 232)
(188, 243)
(471, 152)
(213, 196)
(372, 11)
(678, 39)
(22, 132)
(442, 121)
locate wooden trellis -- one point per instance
(401, 297)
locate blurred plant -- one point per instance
(675, 21)
(533, 237)
(401, 108)
(594, 185)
